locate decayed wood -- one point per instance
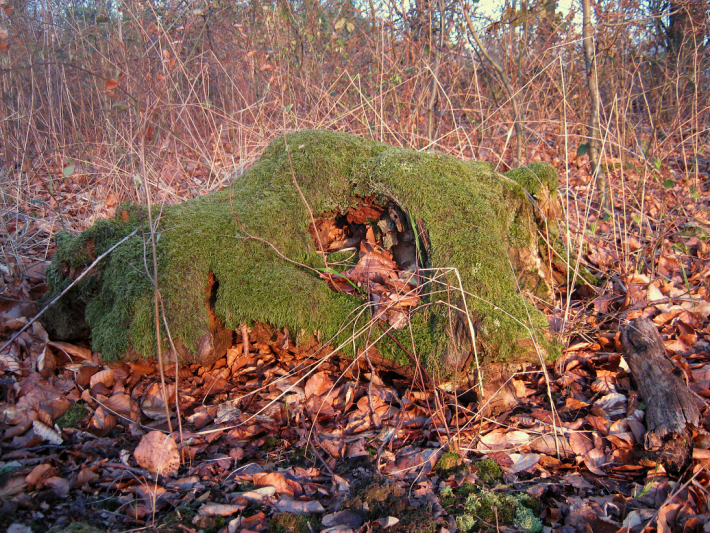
(670, 405)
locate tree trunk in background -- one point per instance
(434, 95)
(687, 28)
(593, 129)
(506, 83)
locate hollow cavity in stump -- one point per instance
(371, 250)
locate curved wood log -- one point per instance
(670, 405)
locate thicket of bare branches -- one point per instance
(208, 84)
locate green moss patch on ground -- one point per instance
(293, 523)
(470, 217)
(72, 416)
(478, 508)
(379, 498)
(449, 464)
(77, 527)
(488, 471)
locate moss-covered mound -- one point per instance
(466, 216)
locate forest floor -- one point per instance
(280, 438)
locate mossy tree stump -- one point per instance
(486, 224)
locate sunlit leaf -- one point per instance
(158, 453)
(46, 432)
(68, 171)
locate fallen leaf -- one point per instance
(37, 472)
(342, 519)
(577, 481)
(272, 479)
(19, 528)
(120, 404)
(220, 509)
(259, 495)
(13, 486)
(9, 364)
(105, 377)
(59, 486)
(523, 462)
(102, 422)
(356, 449)
(388, 522)
(158, 453)
(594, 460)
(46, 432)
(84, 374)
(153, 404)
(580, 443)
(318, 384)
(86, 476)
(299, 507)
(70, 349)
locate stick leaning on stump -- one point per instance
(671, 408)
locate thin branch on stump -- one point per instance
(670, 405)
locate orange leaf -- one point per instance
(70, 349)
(105, 377)
(111, 84)
(37, 473)
(86, 477)
(158, 453)
(102, 423)
(273, 479)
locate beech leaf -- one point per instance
(158, 453)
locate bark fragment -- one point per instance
(670, 405)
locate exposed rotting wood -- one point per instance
(670, 405)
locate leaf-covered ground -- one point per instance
(280, 438)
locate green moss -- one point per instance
(489, 472)
(526, 520)
(465, 522)
(72, 416)
(483, 508)
(448, 464)
(271, 442)
(379, 499)
(109, 504)
(76, 527)
(466, 208)
(293, 523)
(539, 179)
